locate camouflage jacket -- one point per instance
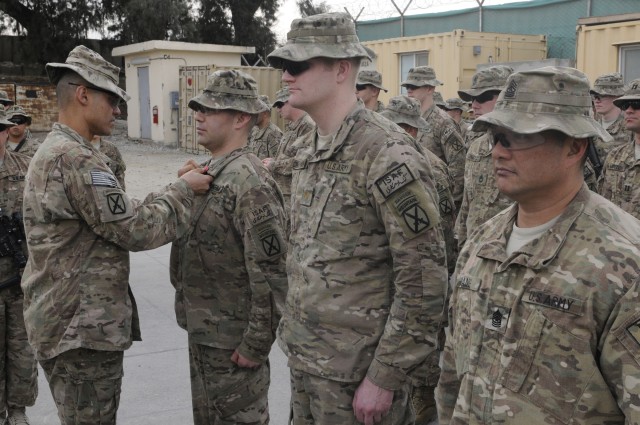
(443, 138)
(620, 136)
(281, 168)
(366, 261)
(550, 334)
(229, 271)
(620, 179)
(27, 146)
(379, 107)
(80, 227)
(115, 161)
(12, 174)
(264, 142)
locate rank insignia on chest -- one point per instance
(307, 197)
(634, 331)
(497, 318)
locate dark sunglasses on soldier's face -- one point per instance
(295, 68)
(633, 104)
(484, 97)
(114, 101)
(516, 141)
(19, 120)
(360, 87)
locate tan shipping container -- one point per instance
(454, 56)
(37, 99)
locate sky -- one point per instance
(376, 9)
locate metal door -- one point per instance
(145, 102)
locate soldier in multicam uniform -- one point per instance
(366, 260)
(20, 138)
(265, 136)
(79, 311)
(620, 179)
(454, 107)
(405, 112)
(4, 99)
(18, 367)
(481, 199)
(113, 158)
(298, 123)
(368, 86)
(544, 317)
(229, 270)
(606, 89)
(441, 136)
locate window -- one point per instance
(630, 62)
(410, 60)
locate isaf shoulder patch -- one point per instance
(394, 180)
(260, 215)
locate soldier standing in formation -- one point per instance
(366, 260)
(620, 179)
(544, 317)
(454, 107)
(4, 99)
(229, 270)
(18, 367)
(20, 139)
(79, 311)
(606, 89)
(368, 86)
(265, 136)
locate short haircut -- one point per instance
(65, 90)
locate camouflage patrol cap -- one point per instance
(371, 78)
(230, 89)
(455, 103)
(17, 111)
(265, 99)
(329, 35)
(421, 76)
(4, 98)
(90, 66)
(549, 98)
(609, 85)
(4, 120)
(404, 110)
(632, 93)
(282, 96)
(489, 79)
(438, 99)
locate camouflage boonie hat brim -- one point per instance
(265, 100)
(632, 93)
(550, 98)
(329, 35)
(90, 66)
(17, 111)
(493, 78)
(437, 99)
(282, 96)
(4, 98)
(370, 78)
(404, 110)
(421, 76)
(609, 85)
(455, 103)
(4, 120)
(232, 90)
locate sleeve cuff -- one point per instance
(385, 376)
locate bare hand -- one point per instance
(371, 403)
(242, 361)
(267, 162)
(188, 166)
(198, 181)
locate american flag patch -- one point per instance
(103, 178)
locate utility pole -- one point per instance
(480, 24)
(402, 12)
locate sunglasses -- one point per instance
(516, 141)
(295, 68)
(19, 120)
(114, 101)
(411, 87)
(597, 97)
(633, 104)
(204, 110)
(360, 87)
(484, 97)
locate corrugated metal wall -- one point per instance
(193, 80)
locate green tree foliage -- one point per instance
(308, 7)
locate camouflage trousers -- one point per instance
(18, 366)
(320, 401)
(424, 403)
(223, 393)
(85, 385)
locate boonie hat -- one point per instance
(4, 121)
(609, 85)
(455, 103)
(329, 35)
(17, 111)
(489, 79)
(437, 98)
(90, 66)
(282, 96)
(549, 98)
(230, 89)
(4, 98)
(265, 99)
(632, 93)
(404, 110)
(421, 76)
(371, 78)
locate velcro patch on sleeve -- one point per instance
(394, 180)
(268, 240)
(260, 215)
(103, 178)
(414, 212)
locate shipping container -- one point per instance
(38, 100)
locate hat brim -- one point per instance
(28, 118)
(55, 71)
(398, 118)
(469, 94)
(607, 92)
(300, 52)
(368, 83)
(228, 102)
(528, 123)
(417, 83)
(619, 101)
